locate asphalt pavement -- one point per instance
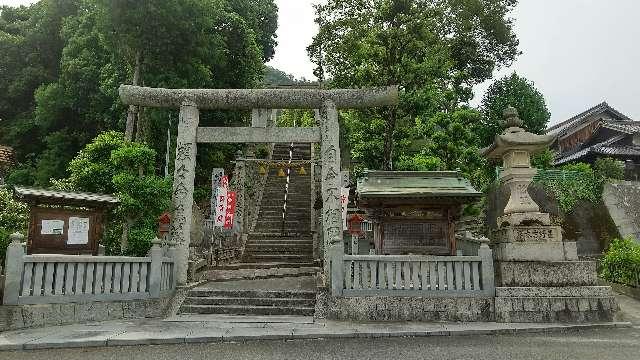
(619, 344)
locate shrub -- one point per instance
(621, 262)
(608, 168)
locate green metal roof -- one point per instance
(418, 184)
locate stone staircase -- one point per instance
(279, 250)
(250, 302)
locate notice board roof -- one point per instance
(65, 198)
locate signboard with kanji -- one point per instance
(230, 210)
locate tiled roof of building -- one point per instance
(580, 118)
(605, 148)
(414, 184)
(63, 197)
(627, 127)
(6, 155)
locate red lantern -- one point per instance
(163, 225)
(354, 224)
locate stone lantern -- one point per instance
(524, 233)
(538, 276)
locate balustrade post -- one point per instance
(155, 271)
(488, 276)
(173, 254)
(14, 265)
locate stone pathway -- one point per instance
(218, 328)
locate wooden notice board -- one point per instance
(64, 231)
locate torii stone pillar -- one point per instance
(331, 208)
(183, 177)
(189, 134)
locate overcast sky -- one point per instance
(577, 52)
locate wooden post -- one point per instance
(14, 264)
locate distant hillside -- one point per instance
(276, 77)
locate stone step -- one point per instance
(247, 310)
(251, 301)
(271, 235)
(267, 265)
(290, 258)
(249, 293)
(218, 274)
(287, 242)
(251, 246)
(279, 242)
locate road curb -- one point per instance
(315, 334)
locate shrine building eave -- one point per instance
(64, 198)
(421, 188)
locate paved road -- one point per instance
(599, 344)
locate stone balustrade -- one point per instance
(418, 275)
(52, 278)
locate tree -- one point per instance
(110, 164)
(14, 216)
(75, 97)
(520, 93)
(435, 51)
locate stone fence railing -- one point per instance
(45, 279)
(417, 275)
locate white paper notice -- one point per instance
(52, 227)
(78, 230)
(344, 201)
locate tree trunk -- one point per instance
(124, 239)
(133, 110)
(388, 139)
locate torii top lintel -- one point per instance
(237, 99)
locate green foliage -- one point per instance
(4, 243)
(419, 162)
(140, 241)
(579, 167)
(520, 93)
(435, 51)
(608, 168)
(297, 118)
(63, 60)
(14, 216)
(621, 262)
(573, 183)
(92, 169)
(543, 160)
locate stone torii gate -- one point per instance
(190, 101)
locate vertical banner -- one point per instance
(230, 210)
(344, 201)
(221, 201)
(216, 179)
(221, 206)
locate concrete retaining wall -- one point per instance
(14, 317)
(623, 203)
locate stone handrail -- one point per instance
(52, 278)
(417, 275)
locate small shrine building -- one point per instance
(414, 212)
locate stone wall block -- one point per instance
(60, 314)
(33, 316)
